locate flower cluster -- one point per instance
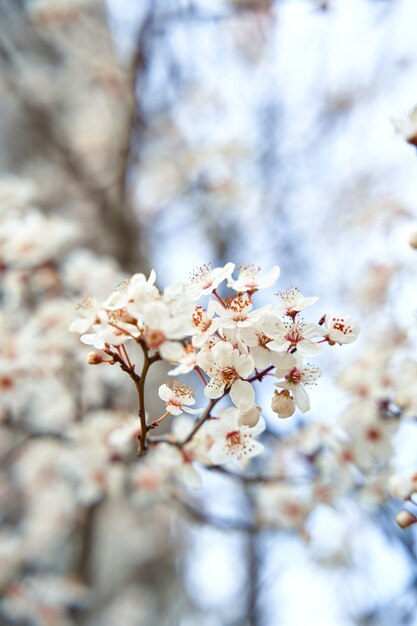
(230, 343)
(64, 451)
(42, 273)
(328, 462)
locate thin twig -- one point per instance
(140, 386)
(206, 415)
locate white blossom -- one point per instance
(162, 330)
(133, 293)
(91, 313)
(251, 278)
(293, 301)
(257, 337)
(178, 398)
(341, 328)
(226, 368)
(205, 280)
(298, 336)
(205, 324)
(238, 313)
(186, 362)
(295, 377)
(233, 440)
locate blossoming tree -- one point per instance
(192, 433)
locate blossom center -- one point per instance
(341, 326)
(263, 340)
(202, 276)
(234, 438)
(181, 394)
(291, 510)
(294, 336)
(249, 274)
(175, 401)
(6, 382)
(229, 375)
(294, 376)
(201, 321)
(155, 339)
(373, 434)
(239, 307)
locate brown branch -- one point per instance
(140, 386)
(206, 415)
(139, 382)
(260, 375)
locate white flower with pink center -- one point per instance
(257, 338)
(113, 331)
(205, 279)
(178, 398)
(226, 367)
(251, 278)
(91, 313)
(233, 440)
(370, 432)
(293, 301)
(237, 312)
(187, 362)
(298, 336)
(204, 323)
(285, 505)
(341, 328)
(295, 377)
(162, 329)
(133, 293)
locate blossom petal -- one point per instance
(171, 351)
(165, 393)
(215, 388)
(301, 397)
(242, 394)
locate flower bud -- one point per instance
(413, 240)
(283, 403)
(405, 519)
(93, 358)
(250, 416)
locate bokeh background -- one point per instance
(167, 134)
